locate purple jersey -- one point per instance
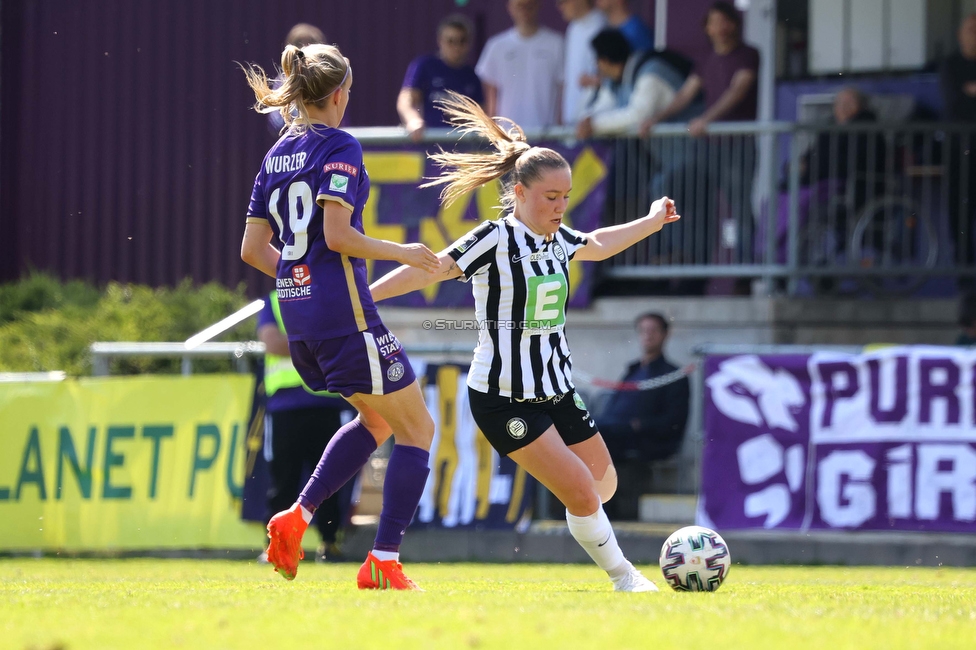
(322, 294)
(433, 78)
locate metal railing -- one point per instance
(104, 352)
(882, 206)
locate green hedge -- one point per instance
(49, 325)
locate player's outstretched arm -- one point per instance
(407, 278)
(256, 248)
(342, 238)
(607, 242)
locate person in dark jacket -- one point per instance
(647, 425)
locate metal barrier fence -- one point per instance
(887, 205)
(883, 205)
(103, 352)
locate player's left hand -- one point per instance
(662, 212)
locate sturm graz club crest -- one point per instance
(558, 251)
(517, 428)
(395, 372)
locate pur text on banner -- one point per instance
(883, 440)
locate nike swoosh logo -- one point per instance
(606, 540)
(516, 260)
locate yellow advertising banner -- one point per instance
(125, 463)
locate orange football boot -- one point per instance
(384, 574)
(285, 549)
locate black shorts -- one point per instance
(510, 424)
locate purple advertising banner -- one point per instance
(883, 440)
(398, 210)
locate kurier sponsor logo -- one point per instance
(340, 167)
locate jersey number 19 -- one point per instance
(298, 218)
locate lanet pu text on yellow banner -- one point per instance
(125, 463)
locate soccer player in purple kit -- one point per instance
(310, 194)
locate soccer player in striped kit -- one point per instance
(310, 194)
(520, 383)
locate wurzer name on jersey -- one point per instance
(294, 162)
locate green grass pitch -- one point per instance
(66, 604)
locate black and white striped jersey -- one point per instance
(520, 283)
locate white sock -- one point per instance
(306, 513)
(383, 556)
(595, 534)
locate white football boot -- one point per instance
(633, 581)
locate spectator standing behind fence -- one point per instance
(727, 77)
(957, 78)
(620, 16)
(642, 426)
(300, 35)
(298, 424)
(579, 70)
(522, 69)
(429, 77)
(634, 85)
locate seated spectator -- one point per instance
(648, 425)
(957, 76)
(522, 70)
(634, 85)
(830, 158)
(839, 174)
(300, 35)
(620, 16)
(429, 77)
(579, 68)
(967, 320)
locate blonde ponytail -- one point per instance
(309, 75)
(513, 156)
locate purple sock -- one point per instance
(406, 475)
(344, 456)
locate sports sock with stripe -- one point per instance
(595, 534)
(344, 456)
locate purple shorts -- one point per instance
(371, 362)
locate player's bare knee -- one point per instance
(582, 500)
(417, 432)
(377, 426)
(606, 487)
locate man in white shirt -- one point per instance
(579, 71)
(522, 68)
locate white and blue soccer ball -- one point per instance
(695, 559)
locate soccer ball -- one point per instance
(695, 559)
